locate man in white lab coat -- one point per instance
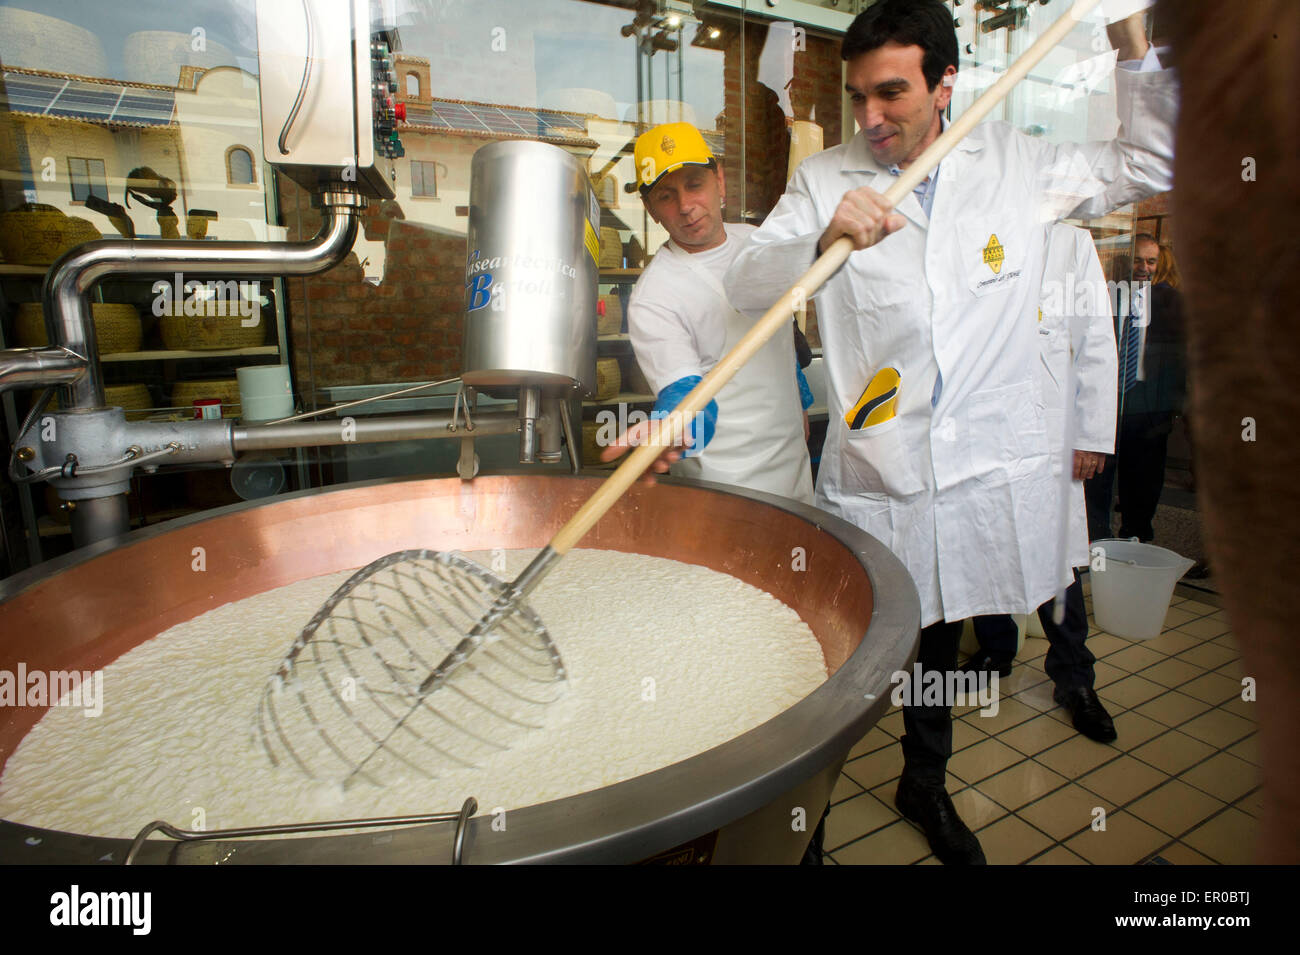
(1076, 339)
(929, 335)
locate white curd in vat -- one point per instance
(175, 737)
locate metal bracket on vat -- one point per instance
(468, 463)
(461, 818)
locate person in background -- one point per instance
(680, 323)
(1074, 327)
(1152, 386)
(937, 445)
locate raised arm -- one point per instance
(1087, 180)
(779, 252)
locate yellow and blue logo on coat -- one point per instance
(878, 403)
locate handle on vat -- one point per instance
(826, 265)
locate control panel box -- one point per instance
(327, 85)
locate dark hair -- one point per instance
(1145, 237)
(923, 23)
(712, 165)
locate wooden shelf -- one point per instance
(620, 274)
(626, 397)
(621, 337)
(6, 269)
(196, 353)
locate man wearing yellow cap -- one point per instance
(680, 323)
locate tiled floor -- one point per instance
(1180, 785)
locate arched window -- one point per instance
(412, 85)
(239, 166)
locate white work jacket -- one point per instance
(1075, 326)
(958, 482)
(680, 324)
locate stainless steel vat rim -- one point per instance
(632, 819)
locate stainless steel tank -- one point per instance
(738, 802)
(530, 270)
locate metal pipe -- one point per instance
(269, 437)
(567, 423)
(36, 367)
(548, 431)
(530, 399)
(67, 289)
(316, 413)
(98, 518)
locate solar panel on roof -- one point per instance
(33, 85)
(135, 100)
(28, 99)
(496, 121)
(458, 116)
(94, 101)
(521, 116)
(95, 97)
(144, 109)
(424, 115)
(564, 124)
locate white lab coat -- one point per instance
(1075, 325)
(961, 491)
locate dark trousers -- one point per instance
(1069, 661)
(927, 730)
(1141, 447)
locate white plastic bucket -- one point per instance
(1132, 585)
(265, 392)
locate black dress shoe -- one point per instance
(982, 662)
(1086, 711)
(930, 808)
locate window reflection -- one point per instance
(87, 177)
(239, 166)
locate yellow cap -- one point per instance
(668, 147)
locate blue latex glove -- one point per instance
(805, 393)
(672, 396)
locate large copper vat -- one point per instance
(738, 802)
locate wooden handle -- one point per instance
(776, 317)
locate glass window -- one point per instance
(87, 178)
(424, 178)
(763, 82)
(239, 166)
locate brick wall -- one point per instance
(815, 92)
(407, 328)
(766, 141)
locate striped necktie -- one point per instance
(1132, 345)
